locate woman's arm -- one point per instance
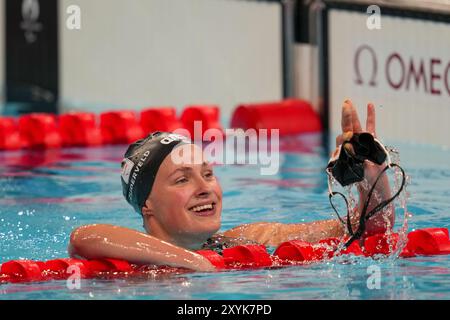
(383, 220)
(108, 241)
(272, 234)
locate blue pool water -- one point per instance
(46, 194)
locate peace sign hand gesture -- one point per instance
(350, 124)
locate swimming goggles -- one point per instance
(347, 167)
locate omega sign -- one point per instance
(425, 75)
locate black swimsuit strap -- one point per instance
(218, 242)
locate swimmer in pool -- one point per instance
(181, 205)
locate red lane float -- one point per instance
(62, 268)
(59, 269)
(301, 251)
(248, 256)
(79, 129)
(296, 250)
(10, 138)
(431, 241)
(109, 265)
(120, 127)
(381, 244)
(39, 130)
(216, 259)
(206, 116)
(22, 270)
(42, 130)
(4, 278)
(290, 116)
(160, 119)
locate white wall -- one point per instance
(170, 52)
(303, 71)
(414, 114)
(306, 73)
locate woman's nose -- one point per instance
(203, 188)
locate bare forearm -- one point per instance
(273, 234)
(385, 218)
(107, 241)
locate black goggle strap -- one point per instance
(367, 215)
(364, 215)
(348, 223)
(331, 194)
(384, 203)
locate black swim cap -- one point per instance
(141, 163)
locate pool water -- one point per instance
(45, 194)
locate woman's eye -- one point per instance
(209, 174)
(181, 180)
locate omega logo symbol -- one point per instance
(356, 62)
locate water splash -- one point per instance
(401, 200)
(395, 245)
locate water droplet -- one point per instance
(20, 213)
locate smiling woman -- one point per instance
(181, 206)
(185, 204)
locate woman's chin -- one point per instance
(207, 231)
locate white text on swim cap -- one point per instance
(127, 166)
(136, 170)
(174, 137)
